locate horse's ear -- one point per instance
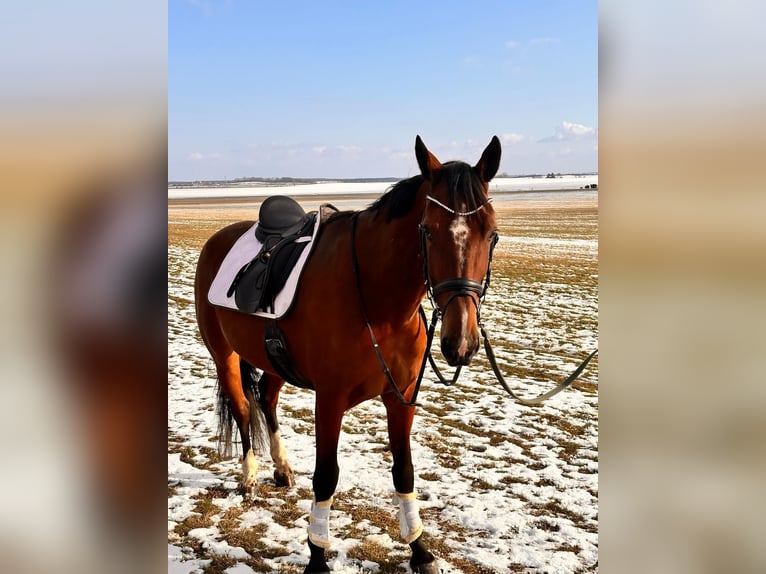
(426, 160)
(490, 160)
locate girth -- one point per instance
(279, 223)
(279, 355)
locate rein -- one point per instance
(459, 287)
(375, 346)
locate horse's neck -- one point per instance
(390, 266)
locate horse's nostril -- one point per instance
(448, 350)
(458, 353)
(466, 358)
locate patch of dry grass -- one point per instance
(387, 561)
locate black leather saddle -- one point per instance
(280, 215)
(280, 222)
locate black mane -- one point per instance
(463, 185)
(399, 199)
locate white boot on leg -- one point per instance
(319, 523)
(410, 525)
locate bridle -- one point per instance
(457, 287)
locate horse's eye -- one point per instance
(426, 232)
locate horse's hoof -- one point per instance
(427, 568)
(316, 568)
(284, 479)
(248, 491)
(317, 563)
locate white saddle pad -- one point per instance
(242, 252)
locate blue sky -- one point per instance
(341, 88)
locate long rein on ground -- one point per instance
(459, 287)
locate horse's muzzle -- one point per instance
(460, 350)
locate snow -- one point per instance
(503, 486)
(499, 184)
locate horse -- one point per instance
(356, 329)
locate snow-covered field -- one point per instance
(503, 487)
(498, 184)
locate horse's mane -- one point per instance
(399, 199)
(463, 185)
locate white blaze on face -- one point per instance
(460, 233)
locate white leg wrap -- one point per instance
(319, 523)
(410, 525)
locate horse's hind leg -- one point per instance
(230, 380)
(269, 387)
(410, 526)
(232, 397)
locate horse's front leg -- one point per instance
(328, 416)
(410, 526)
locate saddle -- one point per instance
(281, 216)
(282, 227)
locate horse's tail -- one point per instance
(256, 425)
(225, 422)
(258, 430)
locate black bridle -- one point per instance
(457, 287)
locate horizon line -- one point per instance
(252, 179)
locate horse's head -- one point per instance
(457, 234)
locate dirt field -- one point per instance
(503, 488)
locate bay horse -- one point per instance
(356, 329)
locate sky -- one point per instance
(341, 88)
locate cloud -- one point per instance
(336, 150)
(541, 41)
(577, 129)
(404, 155)
(569, 131)
(198, 156)
(513, 138)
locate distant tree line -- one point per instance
(275, 181)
